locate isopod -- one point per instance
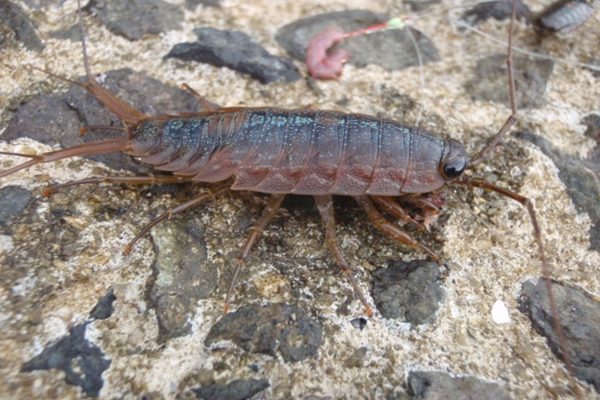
(319, 180)
(563, 16)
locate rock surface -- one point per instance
(235, 50)
(580, 320)
(59, 255)
(366, 49)
(430, 385)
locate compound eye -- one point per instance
(455, 168)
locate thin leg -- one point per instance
(201, 198)
(84, 129)
(430, 204)
(268, 213)
(537, 233)
(132, 180)
(388, 228)
(325, 206)
(426, 201)
(392, 207)
(206, 104)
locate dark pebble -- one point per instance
(410, 292)
(430, 385)
(104, 308)
(270, 329)
(57, 118)
(582, 183)
(359, 323)
(82, 361)
(136, 18)
(579, 316)
(13, 18)
(239, 389)
(13, 199)
(237, 51)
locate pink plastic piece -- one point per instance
(322, 65)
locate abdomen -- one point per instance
(293, 151)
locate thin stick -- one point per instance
(86, 60)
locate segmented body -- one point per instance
(309, 152)
(563, 16)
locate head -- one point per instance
(454, 160)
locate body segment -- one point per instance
(309, 152)
(563, 16)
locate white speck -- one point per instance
(6, 244)
(500, 313)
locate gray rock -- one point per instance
(270, 329)
(13, 199)
(435, 385)
(182, 275)
(239, 389)
(237, 51)
(583, 184)
(136, 18)
(357, 359)
(192, 4)
(375, 48)
(499, 10)
(37, 4)
(580, 320)
(410, 292)
(74, 350)
(56, 118)
(16, 25)
(531, 78)
(592, 121)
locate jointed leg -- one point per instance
(206, 104)
(537, 233)
(395, 209)
(132, 180)
(388, 228)
(325, 206)
(268, 213)
(430, 205)
(201, 198)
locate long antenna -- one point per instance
(485, 153)
(86, 61)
